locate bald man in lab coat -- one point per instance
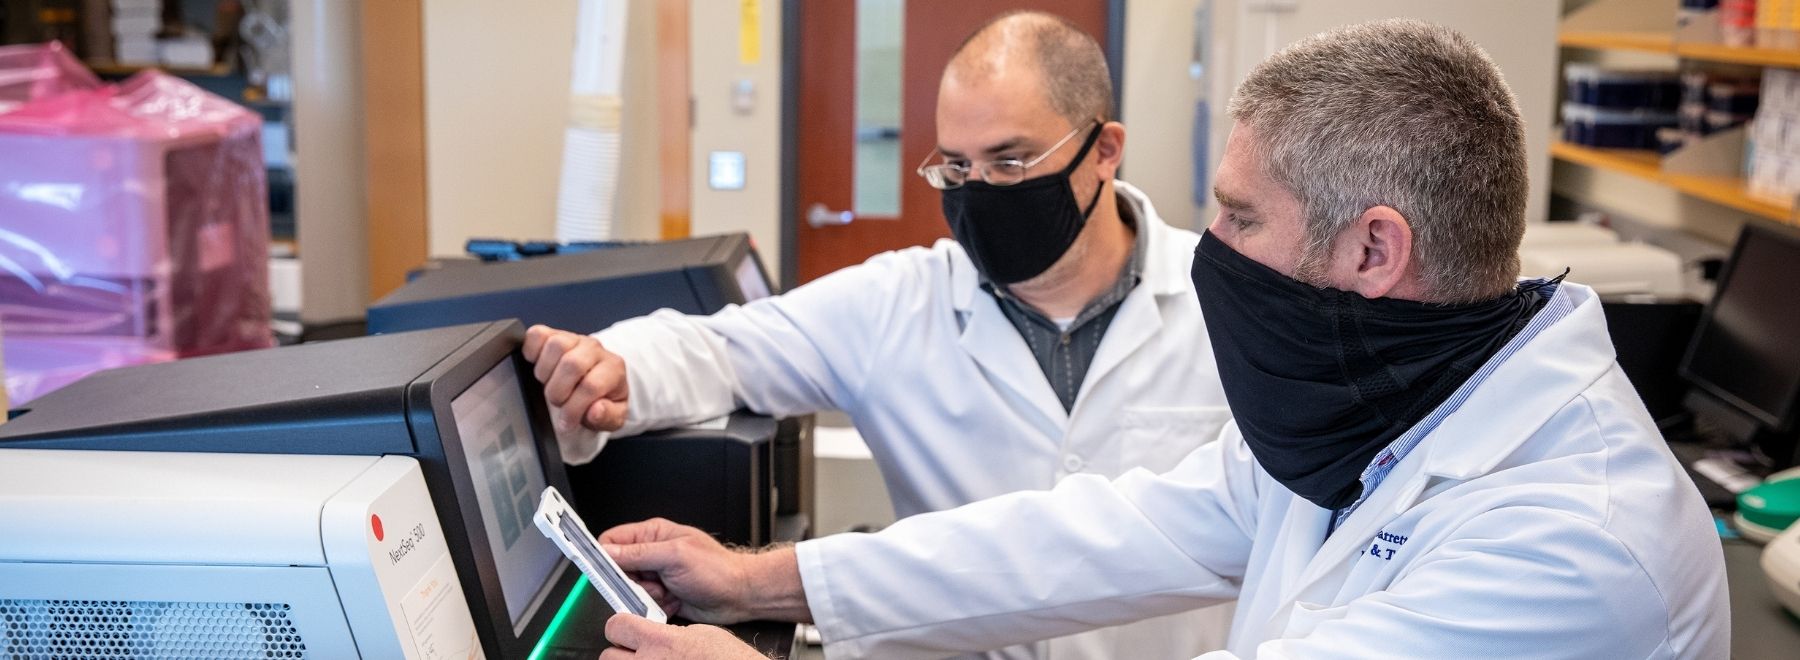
(1058, 335)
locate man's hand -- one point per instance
(645, 639)
(686, 571)
(583, 382)
(691, 574)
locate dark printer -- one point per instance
(746, 480)
(584, 291)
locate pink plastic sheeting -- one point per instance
(133, 221)
(36, 71)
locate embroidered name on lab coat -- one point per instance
(1385, 544)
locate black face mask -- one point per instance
(1320, 380)
(1013, 233)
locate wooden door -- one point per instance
(827, 129)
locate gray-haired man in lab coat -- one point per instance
(1429, 458)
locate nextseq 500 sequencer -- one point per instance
(368, 497)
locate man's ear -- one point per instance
(1381, 247)
(1109, 149)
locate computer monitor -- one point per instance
(455, 399)
(1744, 361)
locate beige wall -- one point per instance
(1157, 104)
(715, 67)
(496, 103)
(638, 205)
(496, 99)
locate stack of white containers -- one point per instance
(1775, 137)
(591, 142)
(135, 24)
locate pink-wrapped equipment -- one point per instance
(134, 221)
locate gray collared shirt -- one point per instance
(1064, 355)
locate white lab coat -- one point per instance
(946, 393)
(1545, 518)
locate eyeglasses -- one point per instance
(1003, 172)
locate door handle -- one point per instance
(819, 216)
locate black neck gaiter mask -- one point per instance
(1320, 380)
(1014, 233)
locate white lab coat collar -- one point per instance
(1564, 360)
(1162, 274)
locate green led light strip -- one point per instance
(556, 624)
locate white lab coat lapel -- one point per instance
(1301, 535)
(990, 339)
(1137, 321)
(1324, 573)
(1520, 396)
(1140, 315)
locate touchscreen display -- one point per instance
(503, 461)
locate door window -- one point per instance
(878, 160)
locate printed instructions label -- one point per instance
(438, 616)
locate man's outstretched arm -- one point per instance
(1013, 569)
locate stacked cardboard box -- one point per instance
(1774, 152)
(134, 26)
